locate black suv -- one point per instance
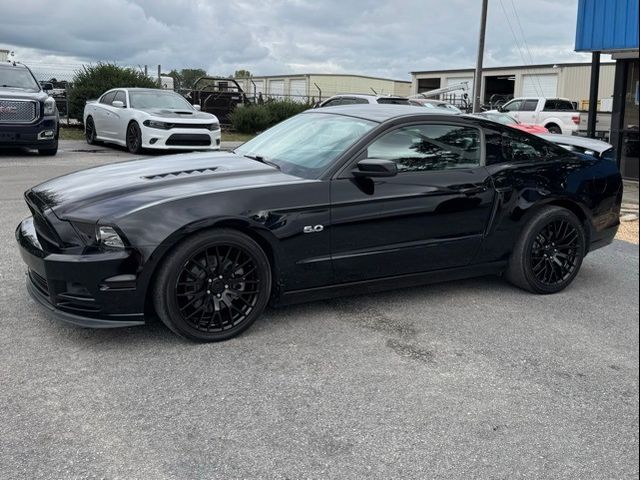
(28, 115)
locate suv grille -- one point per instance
(17, 111)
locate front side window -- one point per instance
(429, 147)
(107, 98)
(393, 101)
(120, 96)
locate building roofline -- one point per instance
(324, 75)
(512, 67)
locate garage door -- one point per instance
(540, 85)
(298, 90)
(455, 80)
(276, 88)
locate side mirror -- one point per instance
(117, 104)
(501, 109)
(375, 167)
(47, 86)
(197, 107)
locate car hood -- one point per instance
(178, 114)
(119, 189)
(22, 94)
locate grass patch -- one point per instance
(236, 136)
(71, 133)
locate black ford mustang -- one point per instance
(335, 200)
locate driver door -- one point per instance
(431, 215)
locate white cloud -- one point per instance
(386, 38)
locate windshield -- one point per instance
(152, 99)
(307, 144)
(17, 77)
(500, 118)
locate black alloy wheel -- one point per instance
(90, 131)
(213, 286)
(549, 253)
(134, 138)
(555, 252)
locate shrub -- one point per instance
(250, 119)
(256, 118)
(93, 80)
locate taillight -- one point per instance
(576, 119)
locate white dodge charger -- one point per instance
(139, 118)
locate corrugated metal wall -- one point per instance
(574, 82)
(607, 25)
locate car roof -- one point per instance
(365, 95)
(378, 112)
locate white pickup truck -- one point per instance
(558, 115)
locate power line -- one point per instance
(515, 39)
(524, 41)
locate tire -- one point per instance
(539, 263)
(212, 286)
(49, 152)
(553, 128)
(90, 131)
(134, 138)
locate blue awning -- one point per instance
(607, 25)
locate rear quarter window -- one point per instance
(512, 147)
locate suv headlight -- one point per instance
(157, 124)
(108, 237)
(49, 106)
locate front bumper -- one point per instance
(180, 139)
(32, 135)
(97, 290)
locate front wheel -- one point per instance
(49, 152)
(213, 286)
(549, 253)
(134, 138)
(90, 131)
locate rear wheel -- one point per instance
(553, 128)
(549, 253)
(134, 138)
(90, 131)
(213, 286)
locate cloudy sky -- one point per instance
(386, 38)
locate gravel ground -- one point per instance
(470, 379)
(628, 232)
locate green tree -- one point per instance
(242, 73)
(188, 76)
(93, 80)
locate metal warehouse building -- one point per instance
(318, 86)
(566, 80)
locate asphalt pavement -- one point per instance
(469, 379)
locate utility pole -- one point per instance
(159, 79)
(477, 81)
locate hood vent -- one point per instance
(181, 173)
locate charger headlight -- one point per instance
(49, 106)
(108, 237)
(157, 124)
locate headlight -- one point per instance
(49, 106)
(108, 237)
(157, 124)
(214, 126)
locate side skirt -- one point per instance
(388, 283)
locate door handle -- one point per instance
(472, 190)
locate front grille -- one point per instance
(206, 126)
(39, 282)
(18, 111)
(185, 139)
